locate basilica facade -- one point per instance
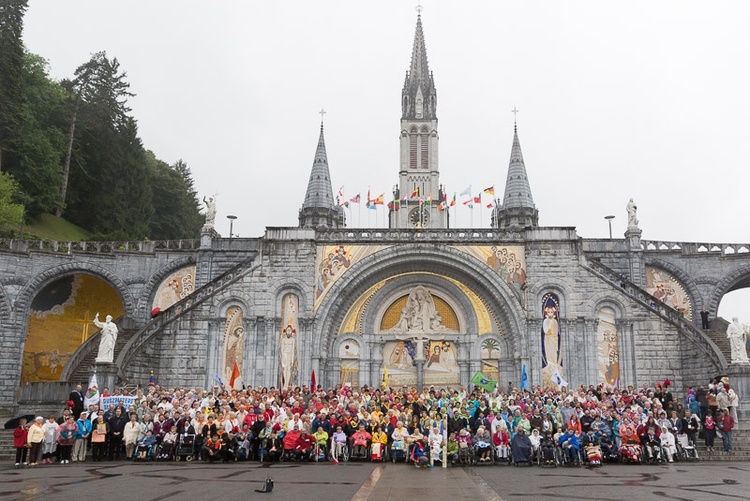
(418, 303)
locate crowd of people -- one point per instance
(591, 424)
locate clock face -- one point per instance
(419, 217)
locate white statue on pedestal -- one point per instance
(420, 314)
(210, 211)
(632, 219)
(108, 338)
(737, 342)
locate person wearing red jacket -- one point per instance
(304, 447)
(20, 436)
(725, 422)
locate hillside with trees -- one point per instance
(71, 148)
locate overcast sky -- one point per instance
(636, 99)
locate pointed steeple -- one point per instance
(518, 210)
(319, 210)
(418, 97)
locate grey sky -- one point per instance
(634, 99)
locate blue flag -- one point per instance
(524, 378)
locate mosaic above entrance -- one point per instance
(332, 261)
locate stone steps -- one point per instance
(720, 338)
(81, 374)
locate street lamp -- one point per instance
(609, 220)
(232, 218)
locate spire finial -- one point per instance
(322, 115)
(419, 9)
(515, 116)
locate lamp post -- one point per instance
(231, 225)
(609, 220)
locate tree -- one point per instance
(97, 82)
(176, 206)
(11, 74)
(11, 214)
(489, 345)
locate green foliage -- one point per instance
(49, 227)
(11, 213)
(176, 206)
(11, 75)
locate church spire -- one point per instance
(518, 210)
(418, 97)
(319, 210)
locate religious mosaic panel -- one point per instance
(233, 348)
(668, 290)
(288, 338)
(490, 357)
(61, 319)
(551, 343)
(419, 311)
(349, 353)
(440, 363)
(332, 261)
(508, 261)
(176, 286)
(608, 352)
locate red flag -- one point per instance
(235, 375)
(478, 199)
(490, 205)
(313, 381)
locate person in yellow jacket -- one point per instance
(35, 439)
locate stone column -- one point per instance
(420, 374)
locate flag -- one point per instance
(469, 203)
(345, 203)
(429, 200)
(558, 380)
(334, 458)
(478, 198)
(313, 381)
(92, 393)
(442, 206)
(151, 380)
(524, 378)
(466, 192)
(235, 375)
(490, 205)
(453, 202)
(379, 200)
(415, 193)
(218, 379)
(385, 376)
(369, 201)
(405, 200)
(355, 199)
(483, 382)
(394, 204)
(490, 191)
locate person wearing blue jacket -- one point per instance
(82, 435)
(570, 442)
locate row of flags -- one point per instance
(395, 204)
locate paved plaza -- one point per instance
(362, 481)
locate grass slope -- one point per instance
(49, 227)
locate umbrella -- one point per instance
(13, 423)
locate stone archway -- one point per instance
(369, 282)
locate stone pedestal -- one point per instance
(106, 374)
(739, 380)
(633, 235)
(208, 233)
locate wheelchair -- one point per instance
(466, 455)
(144, 453)
(398, 451)
(339, 451)
(359, 451)
(686, 450)
(574, 459)
(502, 454)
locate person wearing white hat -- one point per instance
(35, 439)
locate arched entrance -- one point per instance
(419, 313)
(60, 319)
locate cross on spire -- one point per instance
(419, 9)
(322, 114)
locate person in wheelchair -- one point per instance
(520, 446)
(339, 442)
(168, 444)
(668, 444)
(592, 448)
(548, 446)
(289, 443)
(483, 444)
(536, 443)
(145, 445)
(651, 445)
(501, 442)
(321, 442)
(465, 450)
(379, 441)
(570, 444)
(609, 451)
(360, 442)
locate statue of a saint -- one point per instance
(288, 342)
(419, 314)
(108, 339)
(551, 329)
(210, 211)
(632, 219)
(737, 342)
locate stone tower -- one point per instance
(517, 210)
(418, 189)
(319, 210)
